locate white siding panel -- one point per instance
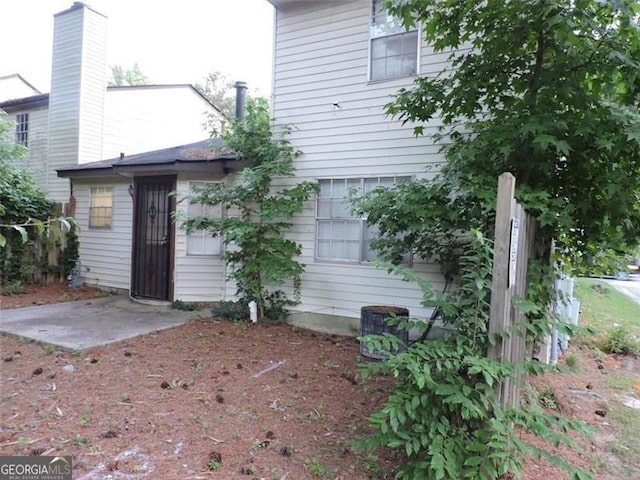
(321, 59)
(105, 255)
(150, 118)
(35, 159)
(198, 278)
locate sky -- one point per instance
(173, 41)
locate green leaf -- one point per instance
(473, 461)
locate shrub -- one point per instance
(620, 342)
(444, 416)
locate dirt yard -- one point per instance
(213, 399)
(34, 295)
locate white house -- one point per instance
(127, 240)
(336, 65)
(82, 120)
(15, 86)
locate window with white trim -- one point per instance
(393, 49)
(101, 207)
(200, 242)
(341, 236)
(22, 129)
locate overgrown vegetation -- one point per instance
(26, 219)
(444, 415)
(258, 206)
(620, 342)
(559, 110)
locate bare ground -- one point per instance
(213, 399)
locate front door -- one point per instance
(152, 238)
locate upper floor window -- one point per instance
(341, 236)
(101, 207)
(394, 50)
(201, 242)
(22, 129)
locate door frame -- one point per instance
(136, 225)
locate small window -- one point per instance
(200, 242)
(393, 49)
(341, 236)
(22, 129)
(101, 207)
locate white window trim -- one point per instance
(362, 221)
(370, 42)
(201, 233)
(91, 208)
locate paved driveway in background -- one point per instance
(631, 288)
(89, 323)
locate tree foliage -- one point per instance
(547, 90)
(121, 76)
(217, 87)
(257, 211)
(21, 202)
(444, 416)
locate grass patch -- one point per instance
(627, 424)
(604, 309)
(615, 319)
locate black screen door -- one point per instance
(152, 238)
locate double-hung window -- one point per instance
(22, 129)
(341, 236)
(200, 242)
(394, 50)
(101, 207)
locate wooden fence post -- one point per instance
(500, 318)
(514, 240)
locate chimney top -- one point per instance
(241, 98)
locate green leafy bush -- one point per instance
(233, 311)
(263, 260)
(620, 342)
(443, 416)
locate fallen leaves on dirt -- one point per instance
(58, 292)
(127, 412)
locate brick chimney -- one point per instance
(77, 95)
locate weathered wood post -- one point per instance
(500, 317)
(514, 240)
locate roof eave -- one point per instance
(33, 101)
(215, 166)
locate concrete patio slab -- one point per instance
(89, 323)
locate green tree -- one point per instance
(547, 90)
(10, 151)
(258, 211)
(21, 202)
(217, 89)
(121, 76)
(22, 205)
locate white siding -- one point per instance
(36, 157)
(76, 100)
(198, 278)
(149, 118)
(321, 59)
(105, 254)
